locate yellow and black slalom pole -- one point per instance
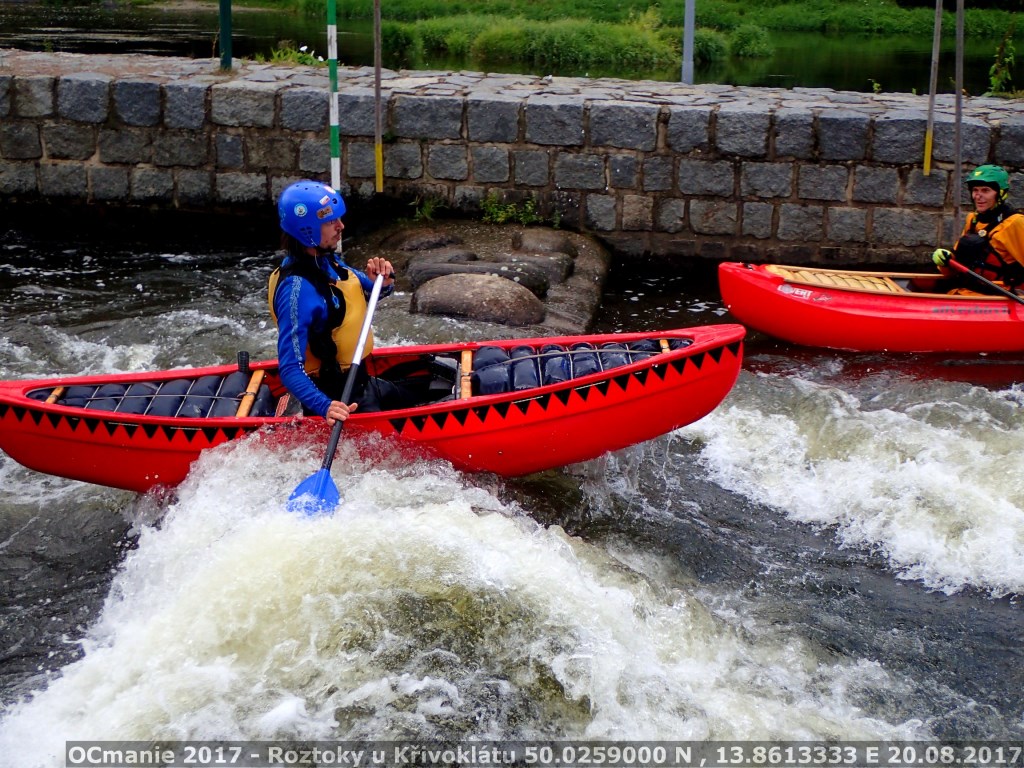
(378, 144)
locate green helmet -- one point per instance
(990, 175)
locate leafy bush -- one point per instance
(709, 46)
(402, 44)
(496, 211)
(751, 41)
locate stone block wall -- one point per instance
(719, 172)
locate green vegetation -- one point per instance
(1001, 74)
(639, 35)
(839, 16)
(751, 41)
(496, 211)
(287, 53)
(425, 208)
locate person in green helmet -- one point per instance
(992, 242)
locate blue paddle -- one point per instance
(318, 494)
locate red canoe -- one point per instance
(867, 311)
(511, 407)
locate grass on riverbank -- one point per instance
(830, 16)
(630, 35)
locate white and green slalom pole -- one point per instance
(332, 66)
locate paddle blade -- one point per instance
(316, 495)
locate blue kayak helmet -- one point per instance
(304, 206)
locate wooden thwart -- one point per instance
(249, 396)
(466, 375)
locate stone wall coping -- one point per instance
(661, 168)
(18, 63)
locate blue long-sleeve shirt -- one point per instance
(300, 308)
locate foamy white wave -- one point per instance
(937, 487)
(423, 608)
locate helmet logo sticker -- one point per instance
(325, 199)
(300, 209)
(323, 213)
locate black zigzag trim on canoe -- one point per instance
(460, 416)
(398, 424)
(622, 381)
(563, 395)
(502, 409)
(150, 429)
(4, 407)
(229, 432)
(419, 422)
(602, 386)
(439, 418)
(130, 429)
(92, 424)
(642, 374)
(169, 432)
(211, 434)
(698, 359)
(659, 371)
(716, 354)
(19, 412)
(679, 365)
(73, 422)
(522, 405)
(734, 347)
(583, 392)
(37, 416)
(110, 427)
(481, 412)
(55, 419)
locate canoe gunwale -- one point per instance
(24, 387)
(508, 433)
(889, 276)
(845, 318)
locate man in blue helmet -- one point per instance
(319, 304)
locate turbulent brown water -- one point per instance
(837, 552)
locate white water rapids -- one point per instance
(829, 555)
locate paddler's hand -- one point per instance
(380, 266)
(941, 258)
(338, 411)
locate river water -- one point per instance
(836, 552)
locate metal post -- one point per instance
(688, 23)
(957, 135)
(378, 150)
(225, 34)
(332, 66)
(933, 85)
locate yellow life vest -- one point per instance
(342, 337)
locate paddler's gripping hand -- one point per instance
(941, 258)
(380, 266)
(338, 411)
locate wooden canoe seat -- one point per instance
(825, 278)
